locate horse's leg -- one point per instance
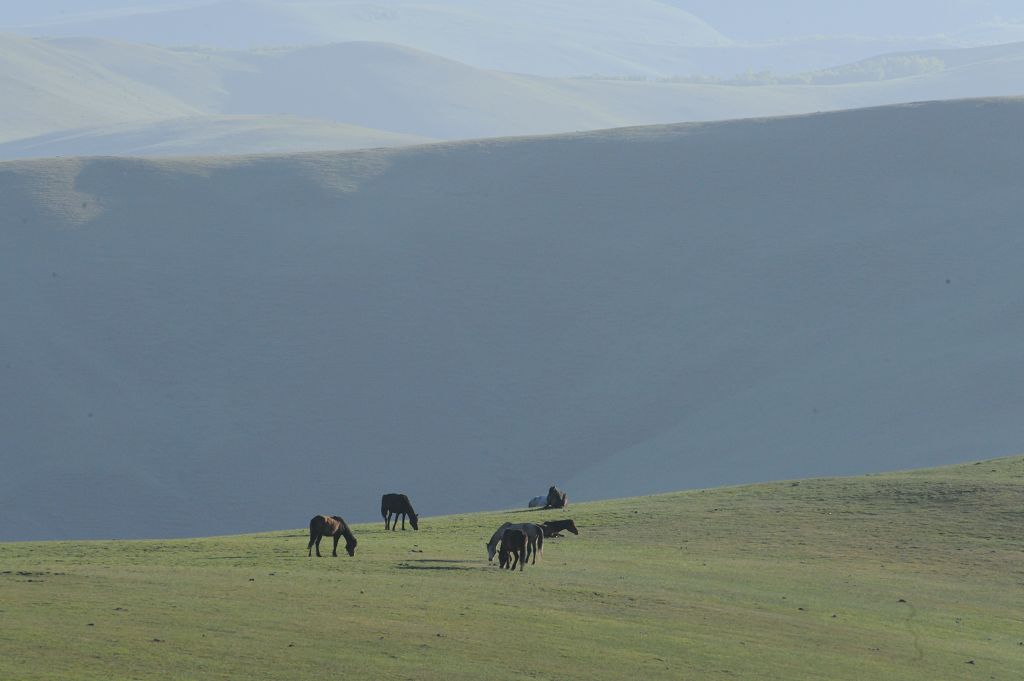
(336, 538)
(387, 515)
(318, 538)
(522, 563)
(310, 547)
(403, 521)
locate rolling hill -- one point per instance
(140, 99)
(911, 577)
(566, 38)
(48, 89)
(216, 342)
(655, 38)
(206, 135)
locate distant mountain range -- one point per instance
(229, 344)
(656, 38)
(100, 97)
(568, 37)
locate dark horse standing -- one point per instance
(400, 505)
(321, 526)
(513, 549)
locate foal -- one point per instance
(513, 550)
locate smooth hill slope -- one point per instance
(217, 343)
(205, 135)
(910, 577)
(47, 88)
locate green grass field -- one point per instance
(916, 575)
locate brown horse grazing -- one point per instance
(553, 528)
(321, 526)
(513, 547)
(400, 505)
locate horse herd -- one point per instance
(514, 543)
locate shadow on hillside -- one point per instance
(439, 564)
(279, 536)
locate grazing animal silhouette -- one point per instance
(538, 502)
(534, 539)
(556, 498)
(321, 526)
(513, 549)
(400, 505)
(553, 528)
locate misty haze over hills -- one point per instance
(231, 342)
(100, 97)
(183, 77)
(567, 38)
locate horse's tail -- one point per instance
(384, 506)
(313, 530)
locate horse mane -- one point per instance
(496, 537)
(350, 539)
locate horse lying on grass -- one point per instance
(534, 539)
(321, 526)
(513, 549)
(553, 528)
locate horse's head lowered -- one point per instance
(350, 545)
(414, 520)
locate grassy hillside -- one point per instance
(48, 88)
(912, 575)
(621, 312)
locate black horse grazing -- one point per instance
(553, 528)
(513, 547)
(557, 498)
(321, 526)
(399, 505)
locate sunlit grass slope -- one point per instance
(914, 575)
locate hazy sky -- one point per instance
(745, 20)
(759, 20)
